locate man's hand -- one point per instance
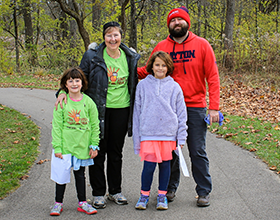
(214, 116)
(93, 153)
(60, 99)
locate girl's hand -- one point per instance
(182, 146)
(59, 155)
(93, 153)
(60, 99)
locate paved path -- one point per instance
(243, 186)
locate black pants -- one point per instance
(116, 121)
(80, 187)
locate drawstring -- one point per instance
(183, 59)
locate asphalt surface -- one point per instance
(243, 186)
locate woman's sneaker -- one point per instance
(162, 203)
(118, 198)
(56, 209)
(142, 202)
(86, 208)
(98, 202)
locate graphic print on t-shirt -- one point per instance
(113, 76)
(75, 118)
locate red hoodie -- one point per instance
(194, 60)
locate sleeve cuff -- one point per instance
(94, 147)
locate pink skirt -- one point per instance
(156, 151)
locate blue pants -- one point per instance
(197, 129)
(148, 173)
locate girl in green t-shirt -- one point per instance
(75, 135)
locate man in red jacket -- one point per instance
(194, 63)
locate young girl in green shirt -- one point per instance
(75, 133)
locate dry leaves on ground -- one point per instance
(261, 102)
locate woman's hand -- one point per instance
(60, 99)
(59, 155)
(93, 153)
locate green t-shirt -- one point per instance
(117, 71)
(75, 127)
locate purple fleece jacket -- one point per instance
(159, 112)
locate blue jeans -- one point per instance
(197, 129)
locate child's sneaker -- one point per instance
(142, 202)
(86, 208)
(118, 198)
(162, 202)
(56, 209)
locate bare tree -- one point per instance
(28, 28)
(133, 27)
(96, 13)
(77, 14)
(122, 17)
(229, 24)
(228, 43)
(16, 35)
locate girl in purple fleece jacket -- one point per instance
(159, 124)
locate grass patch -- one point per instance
(38, 79)
(19, 141)
(253, 134)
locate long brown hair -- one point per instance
(165, 57)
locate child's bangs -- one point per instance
(74, 74)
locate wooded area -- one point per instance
(52, 35)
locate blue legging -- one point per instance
(148, 173)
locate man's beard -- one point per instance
(180, 33)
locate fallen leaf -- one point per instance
(24, 177)
(253, 149)
(15, 142)
(33, 138)
(248, 143)
(277, 128)
(42, 161)
(273, 168)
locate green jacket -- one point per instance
(75, 127)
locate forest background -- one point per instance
(40, 39)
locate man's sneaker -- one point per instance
(142, 202)
(98, 202)
(56, 209)
(170, 196)
(162, 203)
(203, 201)
(86, 208)
(118, 198)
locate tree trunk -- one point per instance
(122, 17)
(16, 36)
(199, 18)
(74, 13)
(277, 16)
(133, 27)
(229, 24)
(96, 13)
(29, 31)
